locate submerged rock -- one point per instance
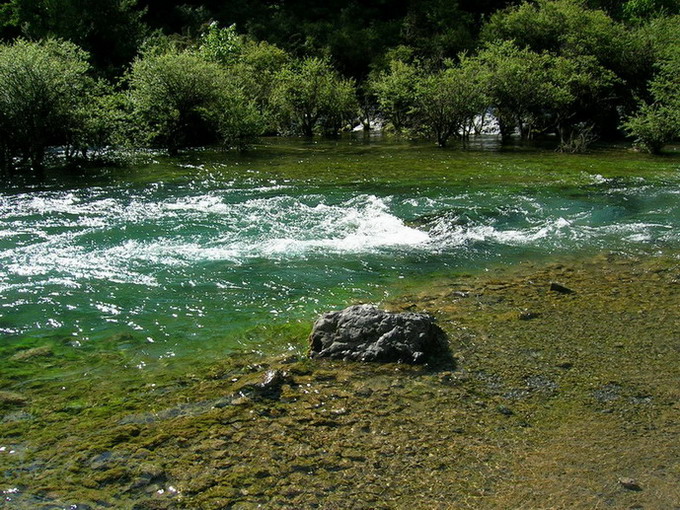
(629, 483)
(36, 352)
(366, 333)
(558, 287)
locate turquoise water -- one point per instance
(212, 251)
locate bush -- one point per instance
(309, 93)
(181, 100)
(46, 99)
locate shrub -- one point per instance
(182, 99)
(309, 93)
(45, 100)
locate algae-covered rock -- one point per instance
(37, 352)
(366, 333)
(10, 399)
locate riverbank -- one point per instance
(554, 401)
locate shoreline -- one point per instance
(554, 399)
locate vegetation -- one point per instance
(47, 99)
(182, 99)
(544, 383)
(449, 100)
(395, 91)
(309, 93)
(657, 122)
(175, 75)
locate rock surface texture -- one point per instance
(366, 333)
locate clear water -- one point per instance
(209, 252)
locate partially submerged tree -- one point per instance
(309, 92)
(448, 101)
(582, 89)
(45, 99)
(256, 70)
(182, 99)
(657, 121)
(519, 85)
(395, 91)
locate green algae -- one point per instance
(377, 161)
(552, 398)
(543, 412)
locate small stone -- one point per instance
(629, 483)
(526, 315)
(505, 410)
(558, 287)
(273, 379)
(565, 365)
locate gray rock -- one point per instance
(366, 333)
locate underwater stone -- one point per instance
(36, 352)
(366, 333)
(629, 483)
(558, 287)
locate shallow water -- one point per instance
(209, 252)
(122, 289)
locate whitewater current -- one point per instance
(187, 260)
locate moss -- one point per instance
(546, 412)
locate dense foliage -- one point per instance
(47, 99)
(87, 75)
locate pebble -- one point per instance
(558, 287)
(629, 483)
(526, 315)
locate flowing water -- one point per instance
(212, 252)
(125, 291)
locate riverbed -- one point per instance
(126, 291)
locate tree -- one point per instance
(582, 88)
(221, 45)
(519, 86)
(562, 27)
(569, 29)
(395, 91)
(437, 29)
(46, 94)
(637, 11)
(181, 99)
(341, 107)
(657, 121)
(448, 100)
(310, 91)
(110, 30)
(256, 70)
